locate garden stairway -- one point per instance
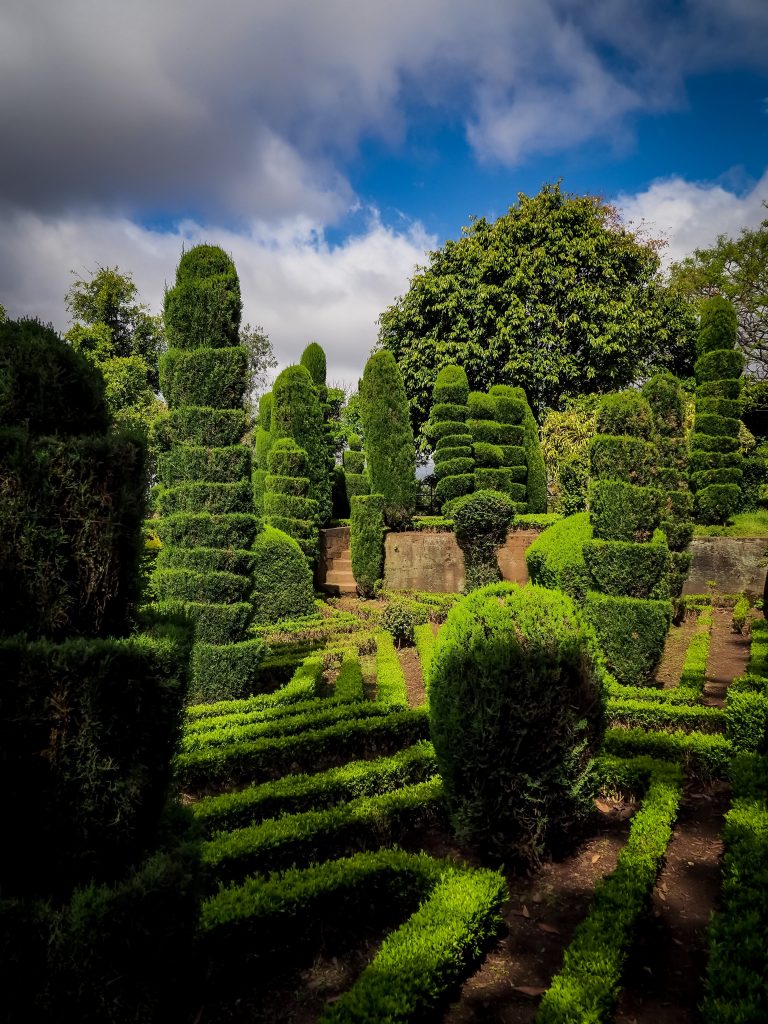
(334, 566)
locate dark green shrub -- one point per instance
(722, 444)
(265, 411)
(481, 406)
(354, 462)
(454, 487)
(213, 623)
(625, 412)
(287, 459)
(669, 478)
(754, 476)
(615, 619)
(192, 462)
(447, 419)
(291, 485)
(401, 617)
(705, 477)
(556, 558)
(282, 579)
(445, 428)
(481, 521)
(718, 365)
(499, 480)
(623, 511)
(47, 386)
(621, 458)
(224, 671)
(296, 414)
(513, 398)
(449, 411)
(367, 541)
(451, 385)
(203, 530)
(718, 502)
(282, 504)
(510, 406)
(702, 460)
(516, 715)
(664, 396)
(718, 327)
(717, 407)
(204, 306)
(285, 502)
(313, 357)
(356, 484)
(716, 426)
(236, 560)
(488, 455)
(493, 432)
(729, 389)
(190, 585)
(205, 427)
(625, 568)
(448, 468)
(204, 376)
(390, 454)
(513, 455)
(446, 454)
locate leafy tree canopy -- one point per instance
(261, 359)
(738, 270)
(557, 296)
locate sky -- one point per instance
(329, 147)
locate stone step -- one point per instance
(342, 564)
(336, 578)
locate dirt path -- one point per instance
(540, 918)
(411, 666)
(728, 657)
(675, 648)
(663, 979)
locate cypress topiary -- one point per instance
(390, 453)
(355, 477)
(516, 717)
(90, 715)
(286, 503)
(205, 379)
(367, 529)
(297, 413)
(313, 357)
(512, 407)
(282, 580)
(717, 486)
(454, 465)
(628, 560)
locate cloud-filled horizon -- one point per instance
(328, 148)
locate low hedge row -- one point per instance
(293, 794)
(349, 681)
(219, 671)
(426, 639)
(746, 713)
(391, 688)
(302, 686)
(586, 987)
(661, 715)
(556, 558)
(317, 749)
(300, 839)
(694, 672)
(735, 989)
(702, 755)
(615, 619)
(227, 728)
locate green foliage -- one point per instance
(621, 458)
(564, 439)
(718, 365)
(282, 580)
(400, 618)
(492, 432)
(716, 426)
(625, 412)
(727, 389)
(204, 376)
(296, 414)
(452, 487)
(512, 407)
(391, 689)
(486, 455)
(213, 623)
(622, 511)
(218, 671)
(721, 444)
(501, 479)
(663, 393)
(510, 301)
(313, 358)
(194, 462)
(203, 426)
(462, 440)
(354, 462)
(189, 585)
(389, 450)
(356, 484)
(740, 615)
(481, 521)
(367, 541)
(451, 385)
(481, 406)
(586, 987)
(717, 502)
(615, 619)
(718, 326)
(201, 496)
(204, 307)
(204, 530)
(635, 570)
(556, 559)
(703, 755)
(521, 784)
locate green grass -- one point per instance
(744, 524)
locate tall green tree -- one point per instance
(261, 359)
(737, 269)
(557, 296)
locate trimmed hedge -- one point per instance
(282, 579)
(615, 619)
(718, 365)
(629, 459)
(625, 412)
(390, 454)
(203, 530)
(219, 671)
(501, 479)
(664, 395)
(481, 406)
(200, 496)
(716, 503)
(204, 376)
(303, 684)
(623, 568)
(451, 385)
(622, 511)
(481, 521)
(702, 755)
(390, 681)
(204, 426)
(719, 326)
(313, 358)
(193, 462)
(452, 487)
(492, 432)
(518, 784)
(462, 440)
(556, 558)
(719, 444)
(204, 306)
(730, 389)
(188, 585)
(367, 541)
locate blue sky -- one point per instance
(328, 147)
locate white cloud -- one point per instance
(690, 215)
(294, 283)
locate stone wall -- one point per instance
(734, 564)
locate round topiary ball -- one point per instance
(516, 716)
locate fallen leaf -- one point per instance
(530, 990)
(524, 911)
(548, 928)
(601, 805)
(596, 858)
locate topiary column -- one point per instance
(206, 498)
(512, 407)
(628, 559)
(298, 414)
(287, 506)
(516, 717)
(263, 443)
(96, 916)
(454, 460)
(715, 459)
(390, 453)
(367, 529)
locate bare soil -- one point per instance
(411, 666)
(671, 665)
(728, 657)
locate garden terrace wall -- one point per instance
(736, 565)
